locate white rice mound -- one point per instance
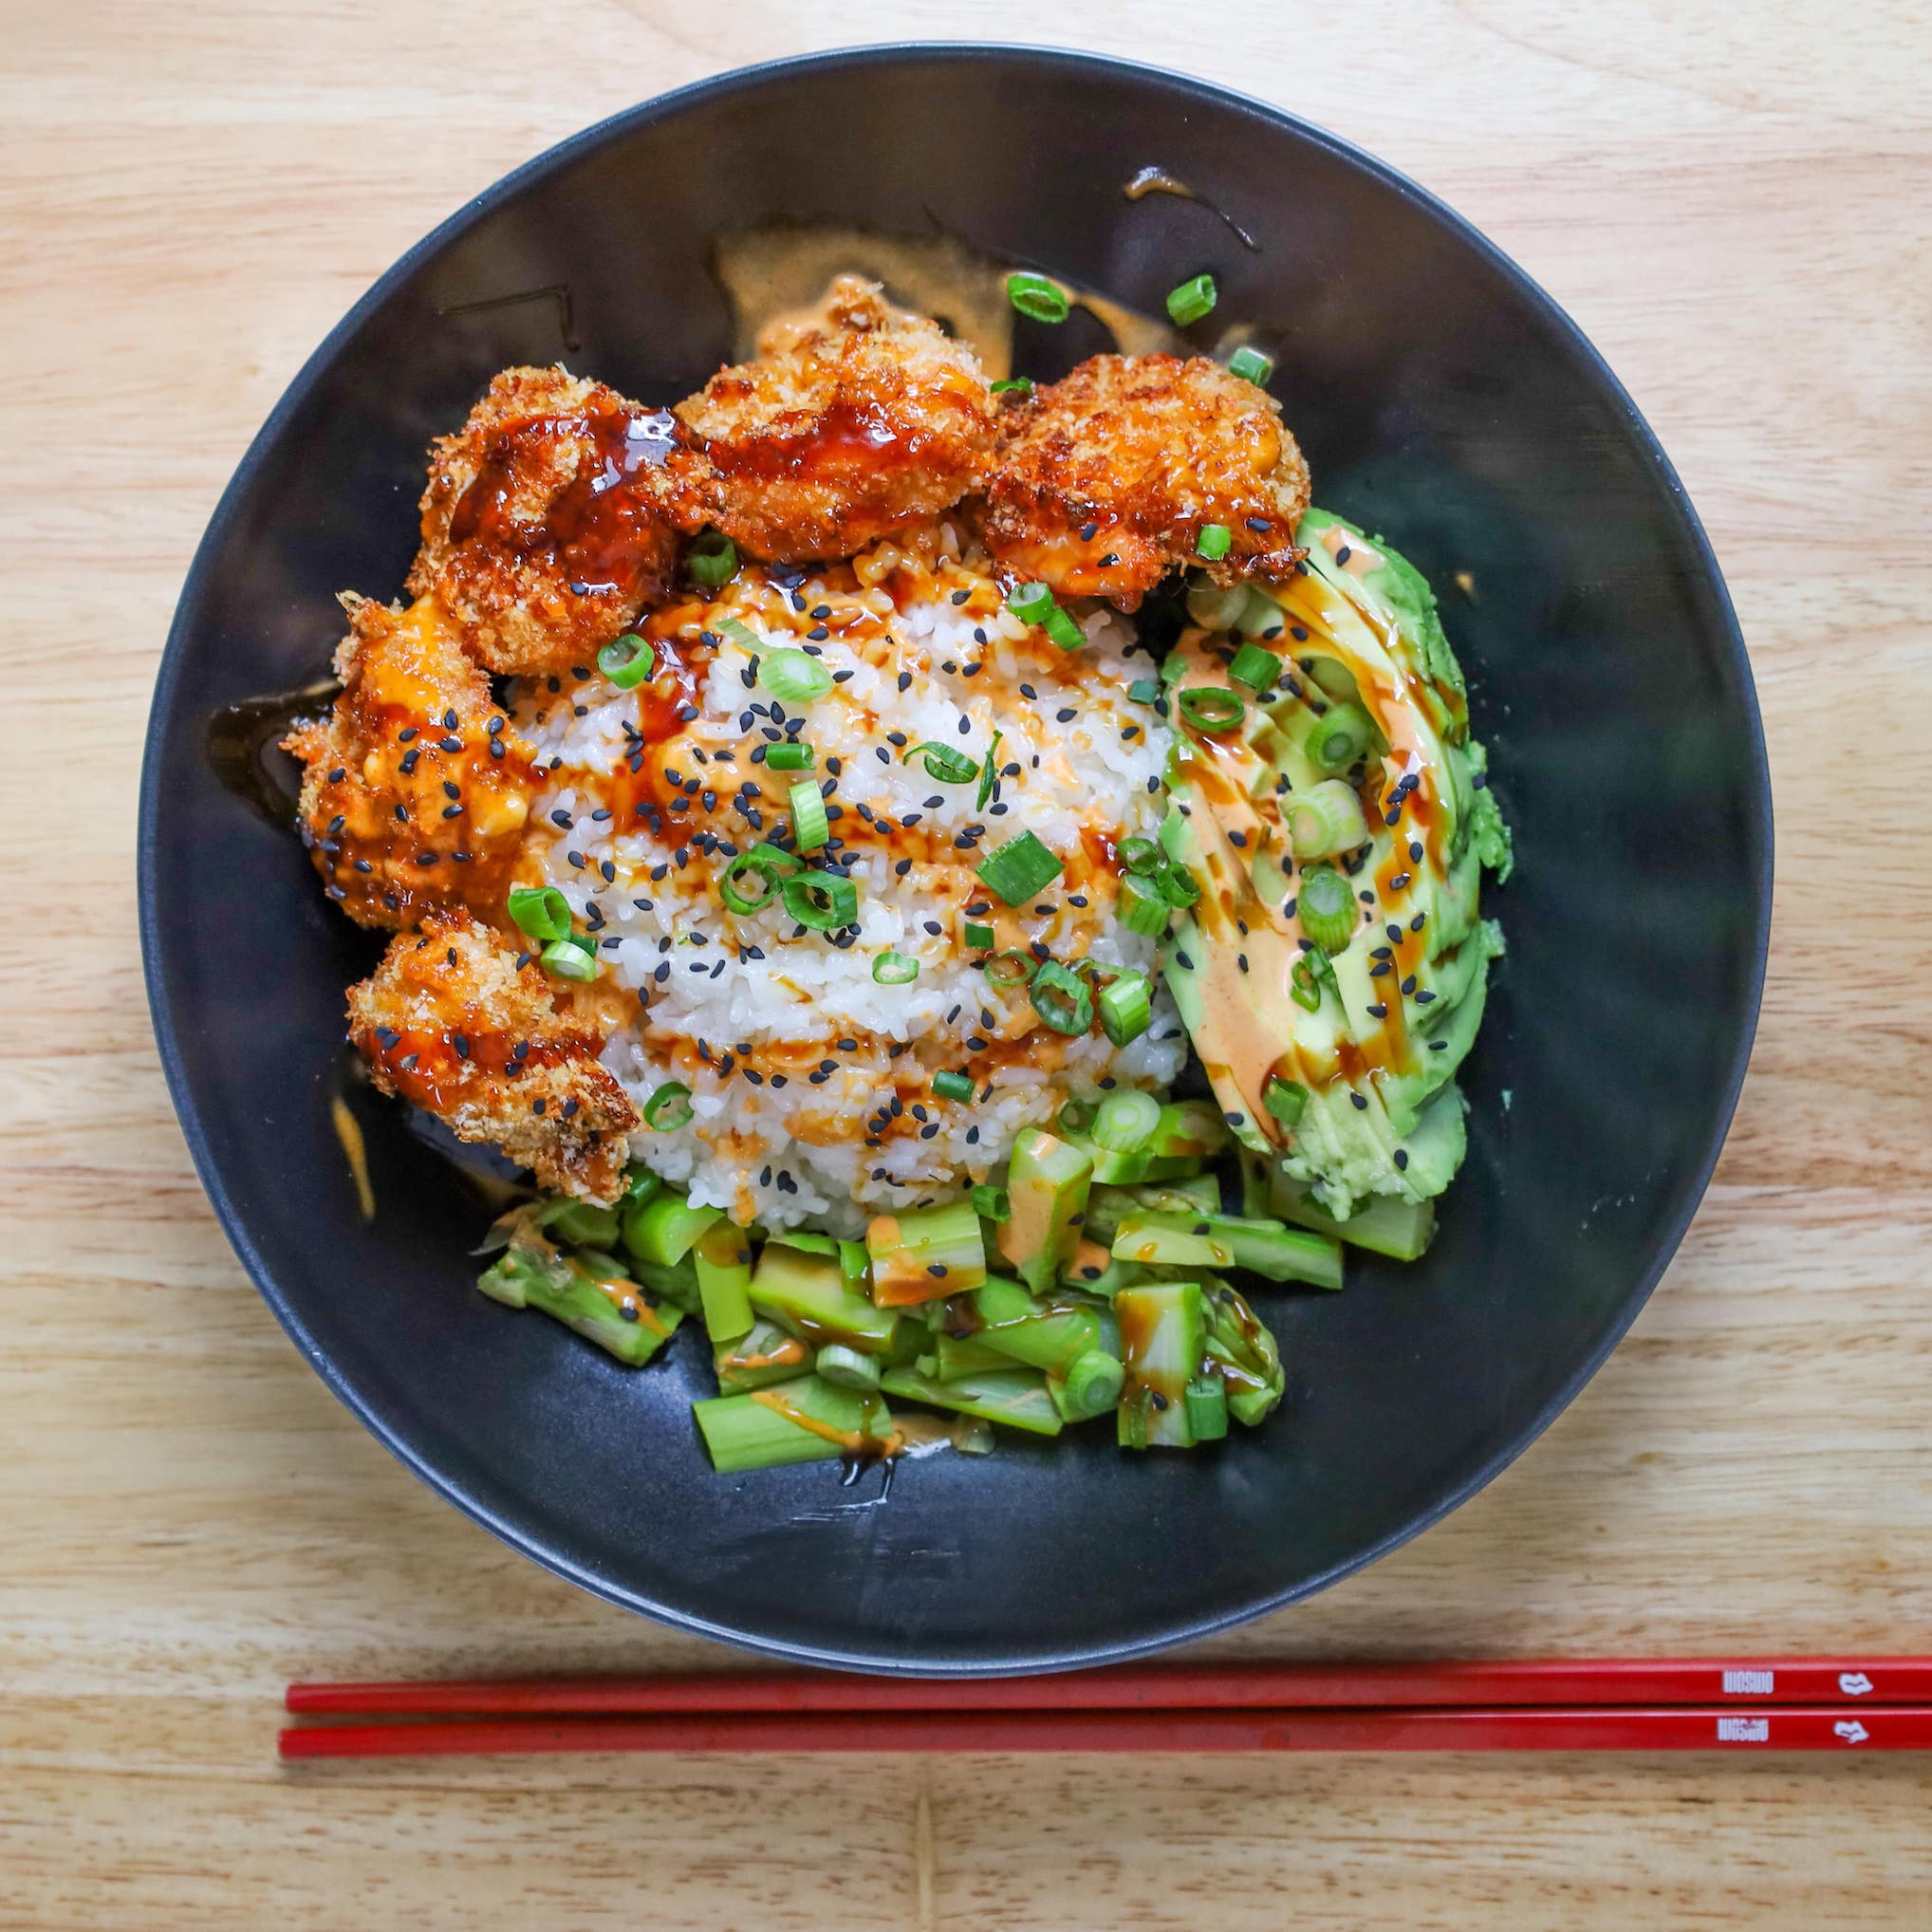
(810, 1081)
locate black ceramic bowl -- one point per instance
(1441, 398)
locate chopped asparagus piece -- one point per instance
(951, 1356)
(663, 1229)
(723, 1260)
(1201, 1195)
(1049, 1181)
(768, 1354)
(1042, 1334)
(579, 1223)
(1015, 1397)
(925, 1253)
(1164, 1336)
(802, 1420)
(603, 1306)
(1215, 1241)
(1240, 1346)
(1400, 1229)
(808, 1295)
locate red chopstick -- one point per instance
(1860, 1728)
(1166, 1688)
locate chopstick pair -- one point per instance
(1613, 1705)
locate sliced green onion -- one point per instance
(823, 901)
(1145, 691)
(1090, 1384)
(1061, 629)
(793, 676)
(952, 1085)
(1038, 296)
(1340, 737)
(810, 825)
(541, 911)
(1063, 999)
(1019, 869)
(791, 756)
(1011, 967)
(1205, 1402)
(989, 775)
(1014, 385)
(1326, 905)
(1126, 1122)
(668, 1109)
(944, 763)
(627, 661)
(712, 558)
(739, 634)
(1191, 301)
(1030, 603)
(1177, 885)
(1303, 986)
(1287, 1100)
(992, 1203)
(894, 968)
(1139, 855)
(736, 899)
(568, 961)
(1325, 819)
(1144, 908)
(1127, 1006)
(1252, 666)
(846, 1367)
(979, 937)
(1251, 365)
(1213, 706)
(1212, 540)
(1077, 1116)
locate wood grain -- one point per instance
(1733, 203)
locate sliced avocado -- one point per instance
(1048, 1181)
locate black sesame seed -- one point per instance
(1360, 1102)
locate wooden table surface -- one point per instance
(1735, 203)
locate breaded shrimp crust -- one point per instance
(848, 427)
(416, 789)
(1102, 481)
(452, 1022)
(544, 530)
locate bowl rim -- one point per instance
(1106, 69)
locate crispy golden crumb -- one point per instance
(416, 789)
(844, 430)
(450, 1021)
(1102, 481)
(544, 530)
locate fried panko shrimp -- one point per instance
(850, 425)
(451, 1021)
(416, 789)
(544, 530)
(1102, 482)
